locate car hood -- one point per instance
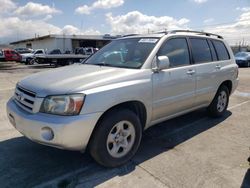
(77, 78)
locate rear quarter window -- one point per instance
(221, 50)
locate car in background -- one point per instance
(2, 57)
(86, 50)
(12, 55)
(23, 50)
(243, 59)
(27, 57)
(55, 51)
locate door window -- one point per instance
(200, 50)
(39, 52)
(177, 51)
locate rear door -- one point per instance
(7, 55)
(174, 88)
(14, 56)
(205, 60)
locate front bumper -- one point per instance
(68, 132)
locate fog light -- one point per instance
(47, 133)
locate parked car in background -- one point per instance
(86, 50)
(126, 87)
(2, 57)
(243, 59)
(24, 50)
(67, 52)
(27, 57)
(12, 55)
(55, 51)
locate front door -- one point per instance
(174, 88)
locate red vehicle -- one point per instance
(11, 55)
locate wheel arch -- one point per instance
(135, 106)
(228, 84)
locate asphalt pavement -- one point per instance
(193, 150)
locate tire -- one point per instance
(220, 102)
(32, 62)
(27, 62)
(118, 129)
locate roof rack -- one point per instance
(129, 35)
(196, 32)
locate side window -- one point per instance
(213, 52)
(177, 52)
(39, 52)
(200, 50)
(221, 50)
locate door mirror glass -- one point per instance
(163, 62)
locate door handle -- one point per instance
(218, 67)
(190, 72)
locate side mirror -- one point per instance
(162, 62)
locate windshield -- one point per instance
(241, 54)
(125, 53)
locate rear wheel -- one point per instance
(28, 60)
(116, 139)
(220, 102)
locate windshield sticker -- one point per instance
(148, 40)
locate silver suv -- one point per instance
(132, 83)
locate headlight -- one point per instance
(63, 104)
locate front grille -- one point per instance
(25, 98)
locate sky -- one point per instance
(22, 19)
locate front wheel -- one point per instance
(116, 139)
(220, 102)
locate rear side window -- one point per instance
(177, 52)
(200, 50)
(221, 50)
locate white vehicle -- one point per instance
(2, 57)
(127, 86)
(27, 57)
(86, 50)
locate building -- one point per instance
(64, 42)
(6, 46)
(239, 48)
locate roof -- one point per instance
(81, 37)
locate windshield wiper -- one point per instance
(100, 64)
